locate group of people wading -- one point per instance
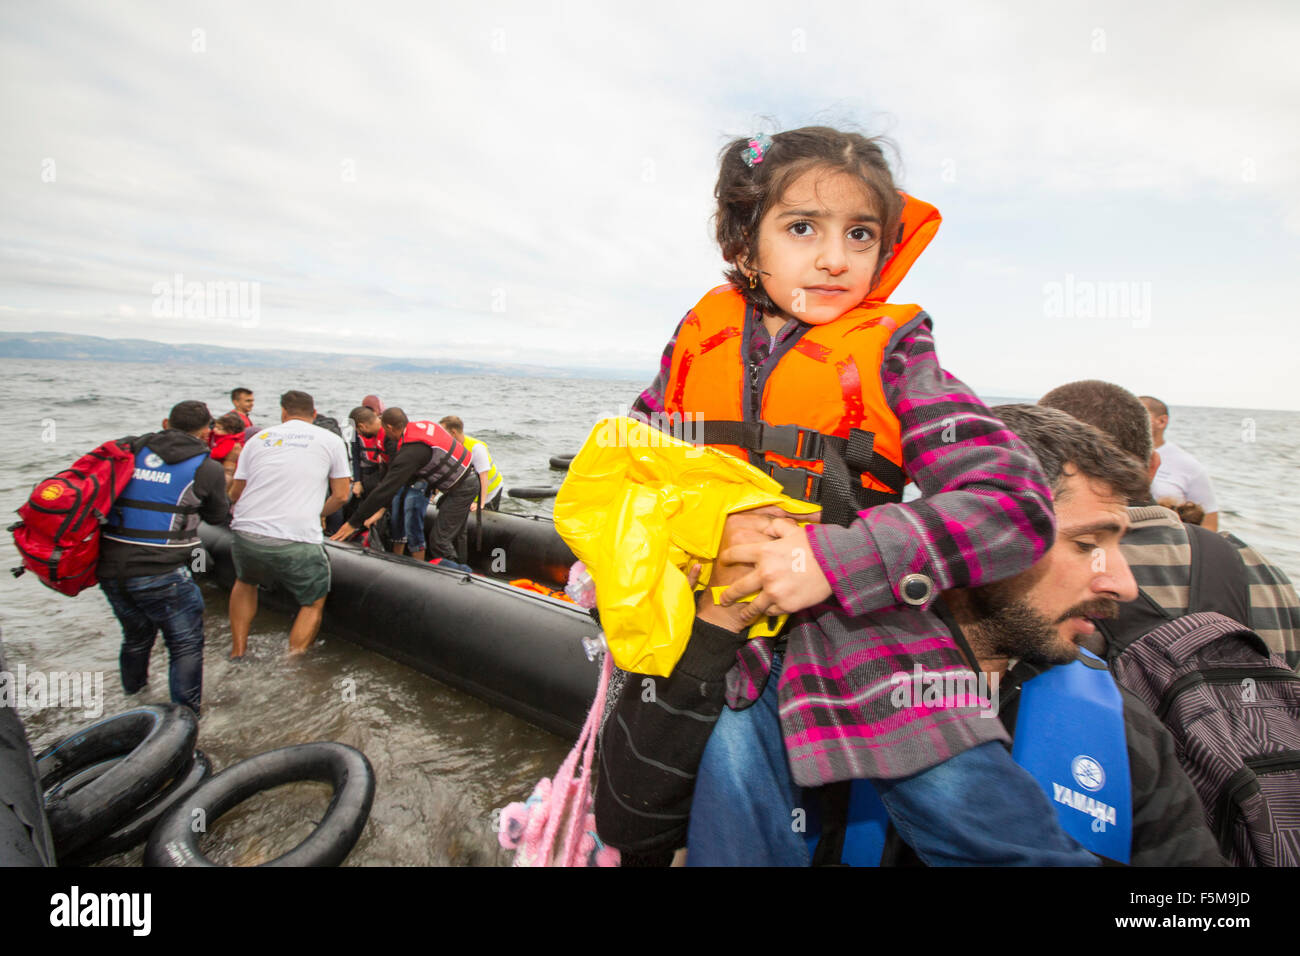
(279, 487)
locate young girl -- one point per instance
(800, 366)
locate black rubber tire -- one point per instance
(174, 842)
(137, 829)
(533, 493)
(157, 741)
(561, 462)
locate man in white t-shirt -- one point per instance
(280, 482)
(1180, 476)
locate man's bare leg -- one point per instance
(306, 626)
(243, 608)
(399, 547)
(418, 555)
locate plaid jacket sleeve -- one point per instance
(986, 510)
(651, 401)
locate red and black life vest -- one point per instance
(450, 459)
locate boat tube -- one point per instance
(533, 492)
(516, 649)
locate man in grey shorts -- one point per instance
(280, 482)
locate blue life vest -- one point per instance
(153, 508)
(1070, 737)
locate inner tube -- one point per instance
(561, 462)
(174, 842)
(155, 742)
(527, 492)
(137, 829)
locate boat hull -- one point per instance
(516, 649)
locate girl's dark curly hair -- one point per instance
(746, 193)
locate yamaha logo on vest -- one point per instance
(1087, 773)
(152, 460)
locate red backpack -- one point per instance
(58, 535)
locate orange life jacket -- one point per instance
(815, 417)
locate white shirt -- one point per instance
(287, 469)
(1183, 477)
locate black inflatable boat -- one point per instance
(516, 649)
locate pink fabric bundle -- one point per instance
(561, 812)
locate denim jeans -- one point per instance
(409, 506)
(978, 808)
(173, 603)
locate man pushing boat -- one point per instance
(425, 452)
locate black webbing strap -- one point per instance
(157, 506)
(788, 441)
(858, 452)
(838, 489)
(1219, 581)
(835, 823)
(179, 535)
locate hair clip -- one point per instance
(758, 146)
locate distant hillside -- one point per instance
(92, 348)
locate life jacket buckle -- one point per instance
(782, 440)
(794, 482)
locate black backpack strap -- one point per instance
(1219, 581)
(835, 823)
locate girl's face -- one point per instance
(818, 247)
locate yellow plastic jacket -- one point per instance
(639, 507)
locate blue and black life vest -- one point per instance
(1070, 737)
(158, 506)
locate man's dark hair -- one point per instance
(298, 403)
(1066, 446)
(362, 415)
(189, 416)
(1161, 407)
(1114, 410)
(394, 417)
(234, 395)
(452, 423)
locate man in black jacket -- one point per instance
(424, 451)
(151, 542)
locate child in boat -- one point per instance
(801, 366)
(226, 442)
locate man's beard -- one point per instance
(1009, 627)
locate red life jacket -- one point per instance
(248, 422)
(372, 448)
(223, 445)
(450, 459)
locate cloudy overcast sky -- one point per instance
(532, 182)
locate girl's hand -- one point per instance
(786, 576)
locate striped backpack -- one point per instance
(1233, 707)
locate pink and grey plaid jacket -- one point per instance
(985, 515)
